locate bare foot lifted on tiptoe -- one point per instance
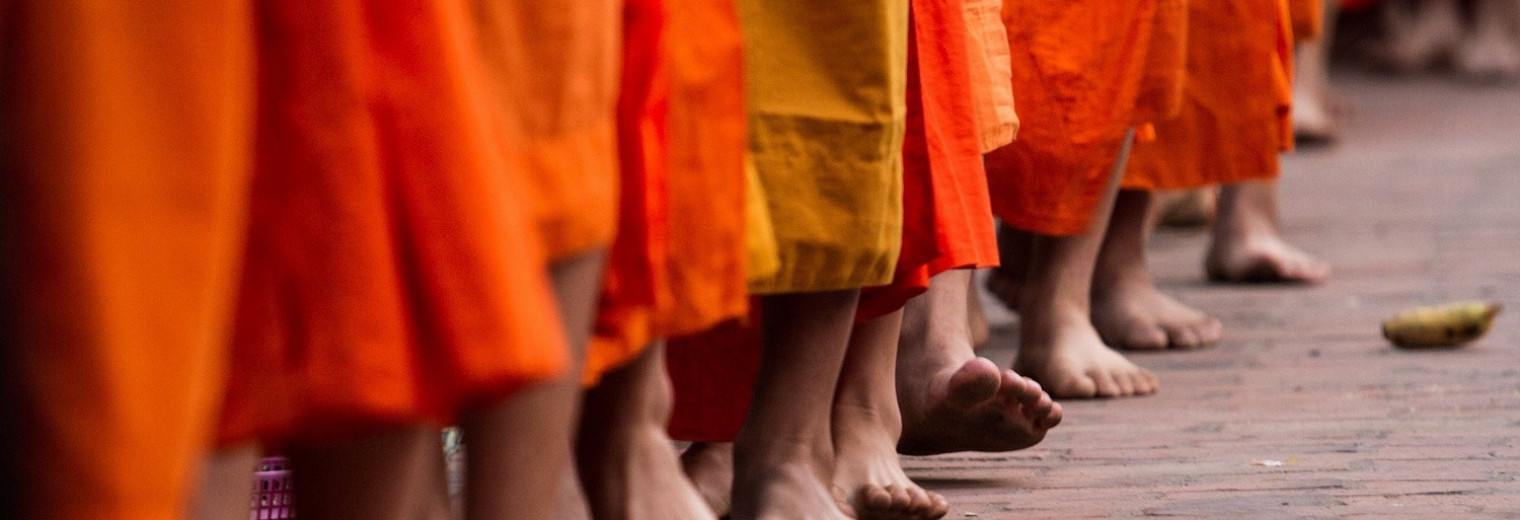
(1263, 259)
(974, 406)
(1136, 315)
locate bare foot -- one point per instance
(868, 474)
(1262, 258)
(1068, 358)
(1134, 314)
(785, 492)
(710, 466)
(981, 330)
(1489, 52)
(973, 406)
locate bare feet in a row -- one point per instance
(1061, 350)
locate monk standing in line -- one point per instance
(1087, 75)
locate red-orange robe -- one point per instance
(391, 274)
(1084, 73)
(125, 142)
(1235, 112)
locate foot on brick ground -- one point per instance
(1129, 312)
(1060, 349)
(973, 406)
(1264, 258)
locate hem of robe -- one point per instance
(575, 207)
(849, 246)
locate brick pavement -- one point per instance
(1420, 205)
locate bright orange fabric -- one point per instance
(1308, 18)
(706, 272)
(678, 265)
(947, 216)
(1234, 117)
(391, 272)
(991, 76)
(124, 142)
(555, 64)
(634, 288)
(1079, 70)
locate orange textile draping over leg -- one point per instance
(991, 77)
(706, 265)
(1079, 69)
(634, 290)
(124, 139)
(1233, 120)
(392, 275)
(947, 217)
(555, 68)
(1308, 18)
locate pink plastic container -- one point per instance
(271, 491)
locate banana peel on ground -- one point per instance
(1447, 325)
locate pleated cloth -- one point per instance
(1085, 72)
(391, 273)
(1235, 117)
(826, 108)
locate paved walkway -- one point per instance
(1304, 411)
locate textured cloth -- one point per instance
(678, 263)
(555, 64)
(825, 90)
(991, 75)
(633, 288)
(124, 140)
(1308, 18)
(391, 273)
(1235, 112)
(947, 216)
(1084, 72)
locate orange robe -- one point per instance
(947, 224)
(1084, 72)
(1308, 18)
(391, 272)
(677, 266)
(633, 288)
(1235, 113)
(125, 137)
(555, 66)
(947, 215)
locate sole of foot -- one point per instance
(975, 407)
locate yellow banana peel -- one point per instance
(1447, 325)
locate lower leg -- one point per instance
(519, 450)
(1128, 310)
(950, 399)
(1059, 347)
(1247, 246)
(1313, 105)
(784, 455)
(627, 463)
(866, 428)
(397, 474)
(226, 484)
